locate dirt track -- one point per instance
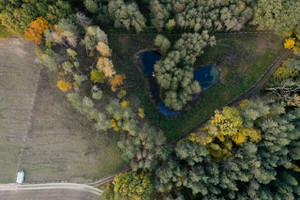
(263, 80)
(250, 93)
(49, 191)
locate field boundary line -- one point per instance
(29, 121)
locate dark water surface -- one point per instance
(149, 58)
(206, 76)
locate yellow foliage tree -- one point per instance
(141, 113)
(124, 104)
(113, 123)
(123, 93)
(289, 43)
(239, 138)
(97, 77)
(64, 86)
(103, 49)
(36, 30)
(92, 54)
(294, 100)
(200, 138)
(133, 185)
(216, 151)
(296, 50)
(253, 134)
(295, 167)
(283, 72)
(224, 123)
(224, 128)
(288, 34)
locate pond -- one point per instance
(149, 58)
(206, 76)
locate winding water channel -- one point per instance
(207, 76)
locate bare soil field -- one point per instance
(39, 130)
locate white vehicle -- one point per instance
(20, 177)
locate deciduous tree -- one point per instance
(130, 185)
(64, 86)
(36, 30)
(97, 76)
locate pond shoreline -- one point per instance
(152, 84)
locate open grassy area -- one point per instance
(243, 59)
(18, 82)
(68, 147)
(39, 130)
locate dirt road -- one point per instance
(263, 80)
(250, 93)
(49, 191)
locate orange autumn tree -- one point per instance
(36, 30)
(64, 86)
(116, 81)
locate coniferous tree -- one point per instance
(144, 148)
(126, 15)
(281, 16)
(200, 15)
(256, 170)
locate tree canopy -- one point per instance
(15, 16)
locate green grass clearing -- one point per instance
(243, 59)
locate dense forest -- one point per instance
(250, 150)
